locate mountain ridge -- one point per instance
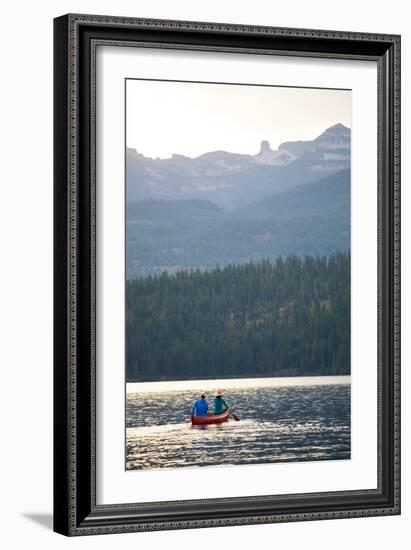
(233, 180)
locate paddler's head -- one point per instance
(218, 393)
(203, 396)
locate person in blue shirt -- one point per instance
(200, 407)
(219, 405)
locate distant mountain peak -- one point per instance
(264, 147)
(268, 156)
(334, 131)
(337, 126)
(335, 137)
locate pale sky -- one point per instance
(190, 119)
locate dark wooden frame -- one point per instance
(75, 40)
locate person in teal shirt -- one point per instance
(219, 405)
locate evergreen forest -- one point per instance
(285, 317)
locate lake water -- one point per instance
(279, 421)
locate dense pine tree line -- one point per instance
(288, 317)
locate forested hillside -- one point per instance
(173, 235)
(288, 317)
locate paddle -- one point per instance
(236, 418)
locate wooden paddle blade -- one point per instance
(237, 418)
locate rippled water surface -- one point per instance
(276, 424)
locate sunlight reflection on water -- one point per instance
(277, 424)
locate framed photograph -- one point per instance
(227, 274)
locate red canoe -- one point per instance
(210, 419)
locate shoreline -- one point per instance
(238, 383)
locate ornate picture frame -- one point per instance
(76, 40)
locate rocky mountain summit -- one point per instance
(233, 180)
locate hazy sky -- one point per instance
(190, 119)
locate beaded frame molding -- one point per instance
(76, 38)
